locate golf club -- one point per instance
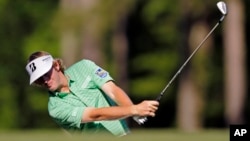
(223, 9)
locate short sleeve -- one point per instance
(99, 75)
(65, 114)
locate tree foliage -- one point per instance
(24, 29)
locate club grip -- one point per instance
(159, 98)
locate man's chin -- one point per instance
(51, 89)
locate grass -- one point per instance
(136, 135)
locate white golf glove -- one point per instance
(140, 120)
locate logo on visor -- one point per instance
(32, 67)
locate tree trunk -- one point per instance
(80, 32)
(120, 53)
(91, 33)
(194, 78)
(194, 81)
(234, 57)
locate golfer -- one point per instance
(84, 97)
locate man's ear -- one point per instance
(56, 66)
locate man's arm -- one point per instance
(116, 93)
(125, 107)
(145, 108)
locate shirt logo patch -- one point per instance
(101, 73)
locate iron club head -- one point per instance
(222, 7)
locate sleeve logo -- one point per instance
(101, 73)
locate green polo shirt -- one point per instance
(85, 81)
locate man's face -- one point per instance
(50, 80)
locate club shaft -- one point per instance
(188, 59)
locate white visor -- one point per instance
(38, 67)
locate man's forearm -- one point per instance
(107, 113)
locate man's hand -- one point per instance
(145, 109)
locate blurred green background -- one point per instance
(142, 43)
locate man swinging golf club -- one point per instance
(84, 97)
